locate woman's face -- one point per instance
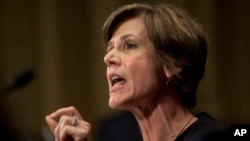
(133, 73)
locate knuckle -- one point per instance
(63, 118)
(72, 108)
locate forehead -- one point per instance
(131, 27)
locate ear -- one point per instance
(169, 73)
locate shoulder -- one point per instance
(205, 128)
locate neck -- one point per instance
(163, 121)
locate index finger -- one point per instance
(69, 111)
(51, 122)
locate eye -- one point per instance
(130, 45)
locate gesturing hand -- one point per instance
(67, 124)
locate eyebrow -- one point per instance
(123, 37)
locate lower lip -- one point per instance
(117, 86)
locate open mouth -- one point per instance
(117, 80)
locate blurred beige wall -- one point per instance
(60, 41)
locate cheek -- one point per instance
(145, 76)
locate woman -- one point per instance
(155, 59)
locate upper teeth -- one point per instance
(114, 78)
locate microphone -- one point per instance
(18, 80)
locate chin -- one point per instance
(116, 104)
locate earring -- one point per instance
(168, 81)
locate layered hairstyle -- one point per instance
(178, 39)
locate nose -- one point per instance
(112, 59)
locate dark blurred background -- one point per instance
(59, 40)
